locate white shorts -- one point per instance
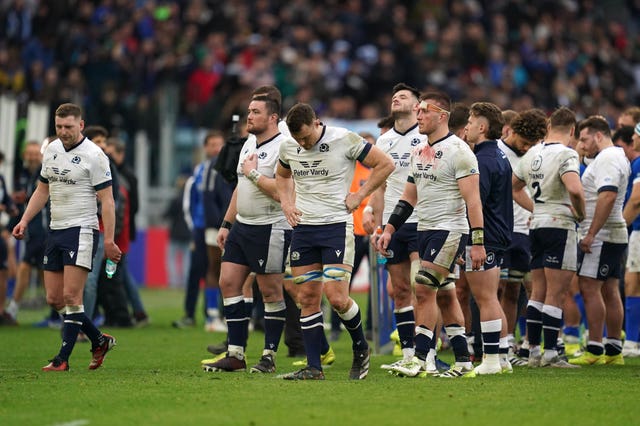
(633, 258)
(211, 237)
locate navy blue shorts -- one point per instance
(518, 256)
(403, 242)
(604, 261)
(331, 244)
(495, 259)
(72, 246)
(263, 248)
(554, 248)
(441, 248)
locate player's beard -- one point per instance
(399, 114)
(256, 129)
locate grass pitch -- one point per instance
(153, 377)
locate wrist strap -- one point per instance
(226, 224)
(477, 236)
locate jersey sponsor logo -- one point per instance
(401, 160)
(62, 172)
(310, 165)
(311, 169)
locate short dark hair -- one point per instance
(299, 115)
(458, 117)
(69, 110)
(492, 114)
(386, 122)
(270, 91)
(272, 106)
(93, 131)
(530, 124)
(563, 119)
(624, 134)
(403, 86)
(595, 123)
(441, 99)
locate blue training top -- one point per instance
(496, 195)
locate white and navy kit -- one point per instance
(609, 171)
(553, 227)
(399, 146)
(517, 258)
(497, 203)
(442, 213)
(74, 177)
(322, 177)
(260, 236)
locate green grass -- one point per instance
(154, 378)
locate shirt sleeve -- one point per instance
(465, 163)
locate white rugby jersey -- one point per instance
(435, 169)
(323, 174)
(398, 146)
(74, 177)
(254, 206)
(520, 214)
(610, 170)
(541, 168)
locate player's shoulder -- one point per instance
(332, 133)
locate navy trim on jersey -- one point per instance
(512, 149)
(43, 180)
(76, 145)
(408, 130)
(611, 188)
(441, 139)
(324, 130)
(286, 166)
(103, 185)
(410, 179)
(258, 145)
(364, 152)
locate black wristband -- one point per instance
(226, 224)
(400, 214)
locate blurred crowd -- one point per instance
(115, 56)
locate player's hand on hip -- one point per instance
(478, 257)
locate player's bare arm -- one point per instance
(286, 188)
(381, 167)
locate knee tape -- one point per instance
(336, 273)
(314, 275)
(515, 277)
(430, 278)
